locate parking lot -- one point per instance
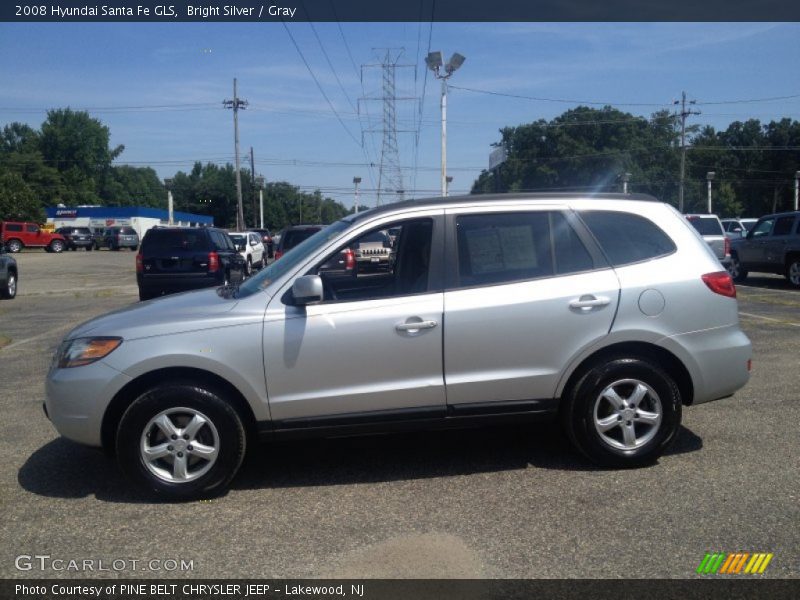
(498, 503)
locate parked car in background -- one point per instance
(116, 238)
(606, 313)
(77, 237)
(374, 252)
(9, 274)
(735, 228)
(19, 235)
(176, 259)
(251, 248)
(292, 236)
(267, 240)
(710, 228)
(771, 246)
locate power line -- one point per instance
(319, 87)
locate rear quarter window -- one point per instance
(627, 238)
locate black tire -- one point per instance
(735, 269)
(248, 267)
(9, 290)
(89, 248)
(72, 248)
(96, 246)
(793, 271)
(56, 246)
(134, 248)
(14, 246)
(145, 295)
(587, 409)
(180, 402)
(114, 247)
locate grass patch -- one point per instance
(4, 341)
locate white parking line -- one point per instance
(37, 337)
(752, 316)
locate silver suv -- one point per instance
(607, 313)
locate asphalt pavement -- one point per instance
(511, 502)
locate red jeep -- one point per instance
(29, 235)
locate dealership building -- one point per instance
(139, 217)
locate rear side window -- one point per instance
(706, 226)
(295, 236)
(627, 238)
(13, 227)
(160, 241)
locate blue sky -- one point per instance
(159, 87)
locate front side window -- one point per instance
(372, 266)
(763, 228)
(31, 228)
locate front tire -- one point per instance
(623, 413)
(181, 441)
(9, 290)
(56, 246)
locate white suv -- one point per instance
(605, 313)
(251, 247)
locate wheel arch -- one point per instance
(133, 389)
(660, 356)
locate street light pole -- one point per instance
(796, 187)
(435, 64)
(710, 178)
(260, 184)
(168, 184)
(626, 177)
(448, 181)
(356, 181)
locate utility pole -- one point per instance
(684, 113)
(236, 104)
(253, 181)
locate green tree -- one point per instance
(17, 200)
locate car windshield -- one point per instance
(237, 238)
(292, 258)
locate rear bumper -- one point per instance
(178, 282)
(718, 360)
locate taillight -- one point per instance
(213, 262)
(727, 246)
(278, 254)
(720, 283)
(349, 259)
(139, 263)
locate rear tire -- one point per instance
(793, 271)
(181, 441)
(623, 413)
(735, 269)
(14, 246)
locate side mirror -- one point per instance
(307, 290)
(239, 247)
(737, 230)
(253, 243)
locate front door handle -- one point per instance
(414, 326)
(588, 301)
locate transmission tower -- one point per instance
(390, 175)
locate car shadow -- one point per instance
(63, 469)
(765, 281)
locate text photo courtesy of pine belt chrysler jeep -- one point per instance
(606, 313)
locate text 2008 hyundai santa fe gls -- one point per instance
(608, 313)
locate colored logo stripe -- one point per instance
(733, 563)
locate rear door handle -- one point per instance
(415, 326)
(589, 301)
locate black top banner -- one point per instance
(400, 10)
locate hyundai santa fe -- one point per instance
(607, 314)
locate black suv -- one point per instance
(176, 259)
(293, 235)
(115, 238)
(8, 274)
(77, 237)
(771, 246)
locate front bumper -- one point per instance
(77, 398)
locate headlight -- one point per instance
(84, 351)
